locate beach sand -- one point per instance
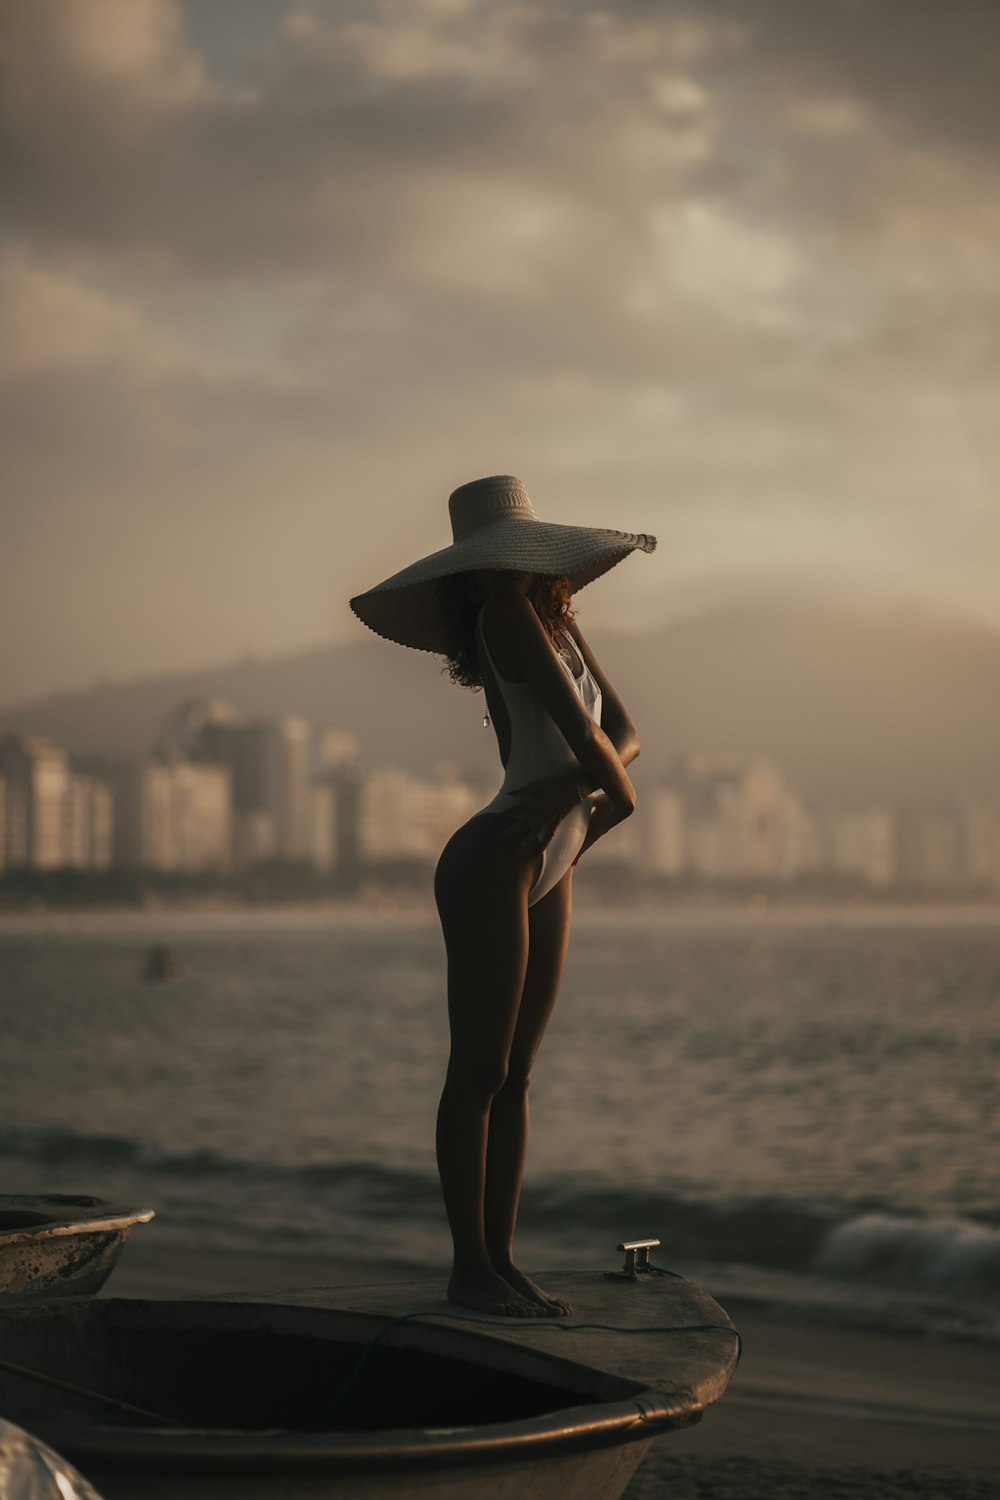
(813, 1411)
(822, 1412)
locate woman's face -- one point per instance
(488, 580)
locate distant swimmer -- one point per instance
(161, 963)
(496, 605)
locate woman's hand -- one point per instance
(543, 805)
(605, 816)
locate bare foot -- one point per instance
(485, 1290)
(553, 1307)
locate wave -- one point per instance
(941, 1250)
(69, 1148)
(951, 1253)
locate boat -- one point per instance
(367, 1391)
(53, 1245)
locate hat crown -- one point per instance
(483, 501)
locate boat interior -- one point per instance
(266, 1366)
(31, 1212)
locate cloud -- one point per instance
(928, 69)
(641, 188)
(318, 160)
(99, 59)
(729, 269)
(702, 253)
(664, 170)
(51, 322)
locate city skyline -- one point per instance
(276, 277)
(885, 703)
(219, 794)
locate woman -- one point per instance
(496, 604)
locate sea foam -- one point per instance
(938, 1249)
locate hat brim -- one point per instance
(406, 607)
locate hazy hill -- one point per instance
(854, 702)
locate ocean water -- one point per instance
(805, 1115)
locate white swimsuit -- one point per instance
(538, 748)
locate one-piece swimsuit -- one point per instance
(538, 748)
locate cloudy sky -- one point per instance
(276, 275)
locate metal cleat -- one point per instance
(636, 1260)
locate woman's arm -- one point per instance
(615, 719)
(520, 639)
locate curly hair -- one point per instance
(460, 605)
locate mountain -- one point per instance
(855, 702)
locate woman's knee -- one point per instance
(479, 1083)
(515, 1084)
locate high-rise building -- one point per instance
(333, 748)
(324, 824)
(981, 840)
(930, 847)
(665, 848)
(862, 841)
(270, 765)
(89, 822)
(769, 816)
(184, 726)
(171, 813)
(348, 783)
(741, 820)
(402, 816)
(808, 842)
(200, 816)
(36, 775)
(276, 766)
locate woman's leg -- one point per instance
(548, 925)
(481, 890)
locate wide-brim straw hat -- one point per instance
(494, 525)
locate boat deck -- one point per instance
(688, 1368)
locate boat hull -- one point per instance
(56, 1246)
(602, 1475)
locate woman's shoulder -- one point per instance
(509, 614)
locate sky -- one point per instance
(276, 277)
